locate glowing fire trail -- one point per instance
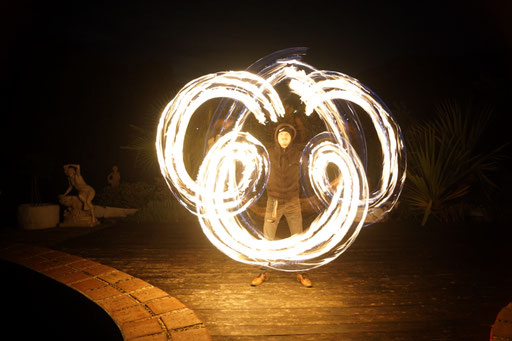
(234, 173)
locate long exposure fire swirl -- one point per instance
(235, 170)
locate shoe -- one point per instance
(262, 277)
(304, 280)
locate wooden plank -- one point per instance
(413, 327)
(394, 283)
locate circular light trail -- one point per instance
(234, 172)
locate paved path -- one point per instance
(140, 310)
(396, 282)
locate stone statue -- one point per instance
(114, 177)
(79, 210)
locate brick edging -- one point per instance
(502, 327)
(140, 310)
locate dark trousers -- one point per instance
(275, 210)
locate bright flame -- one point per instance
(235, 171)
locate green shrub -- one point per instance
(155, 202)
(446, 162)
(132, 195)
(157, 211)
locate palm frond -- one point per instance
(443, 162)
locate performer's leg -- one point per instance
(273, 214)
(293, 214)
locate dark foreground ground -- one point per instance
(396, 282)
(36, 307)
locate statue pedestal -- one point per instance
(35, 217)
(74, 214)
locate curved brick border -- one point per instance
(140, 310)
(502, 327)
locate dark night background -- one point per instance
(75, 75)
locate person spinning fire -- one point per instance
(283, 190)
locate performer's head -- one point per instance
(284, 134)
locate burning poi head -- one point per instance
(234, 172)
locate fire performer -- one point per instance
(283, 191)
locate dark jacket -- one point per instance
(283, 182)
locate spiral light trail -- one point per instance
(234, 172)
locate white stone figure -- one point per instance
(80, 210)
(114, 178)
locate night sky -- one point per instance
(75, 75)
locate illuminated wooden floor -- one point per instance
(396, 282)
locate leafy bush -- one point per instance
(132, 195)
(446, 162)
(154, 202)
(157, 211)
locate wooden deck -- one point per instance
(396, 282)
